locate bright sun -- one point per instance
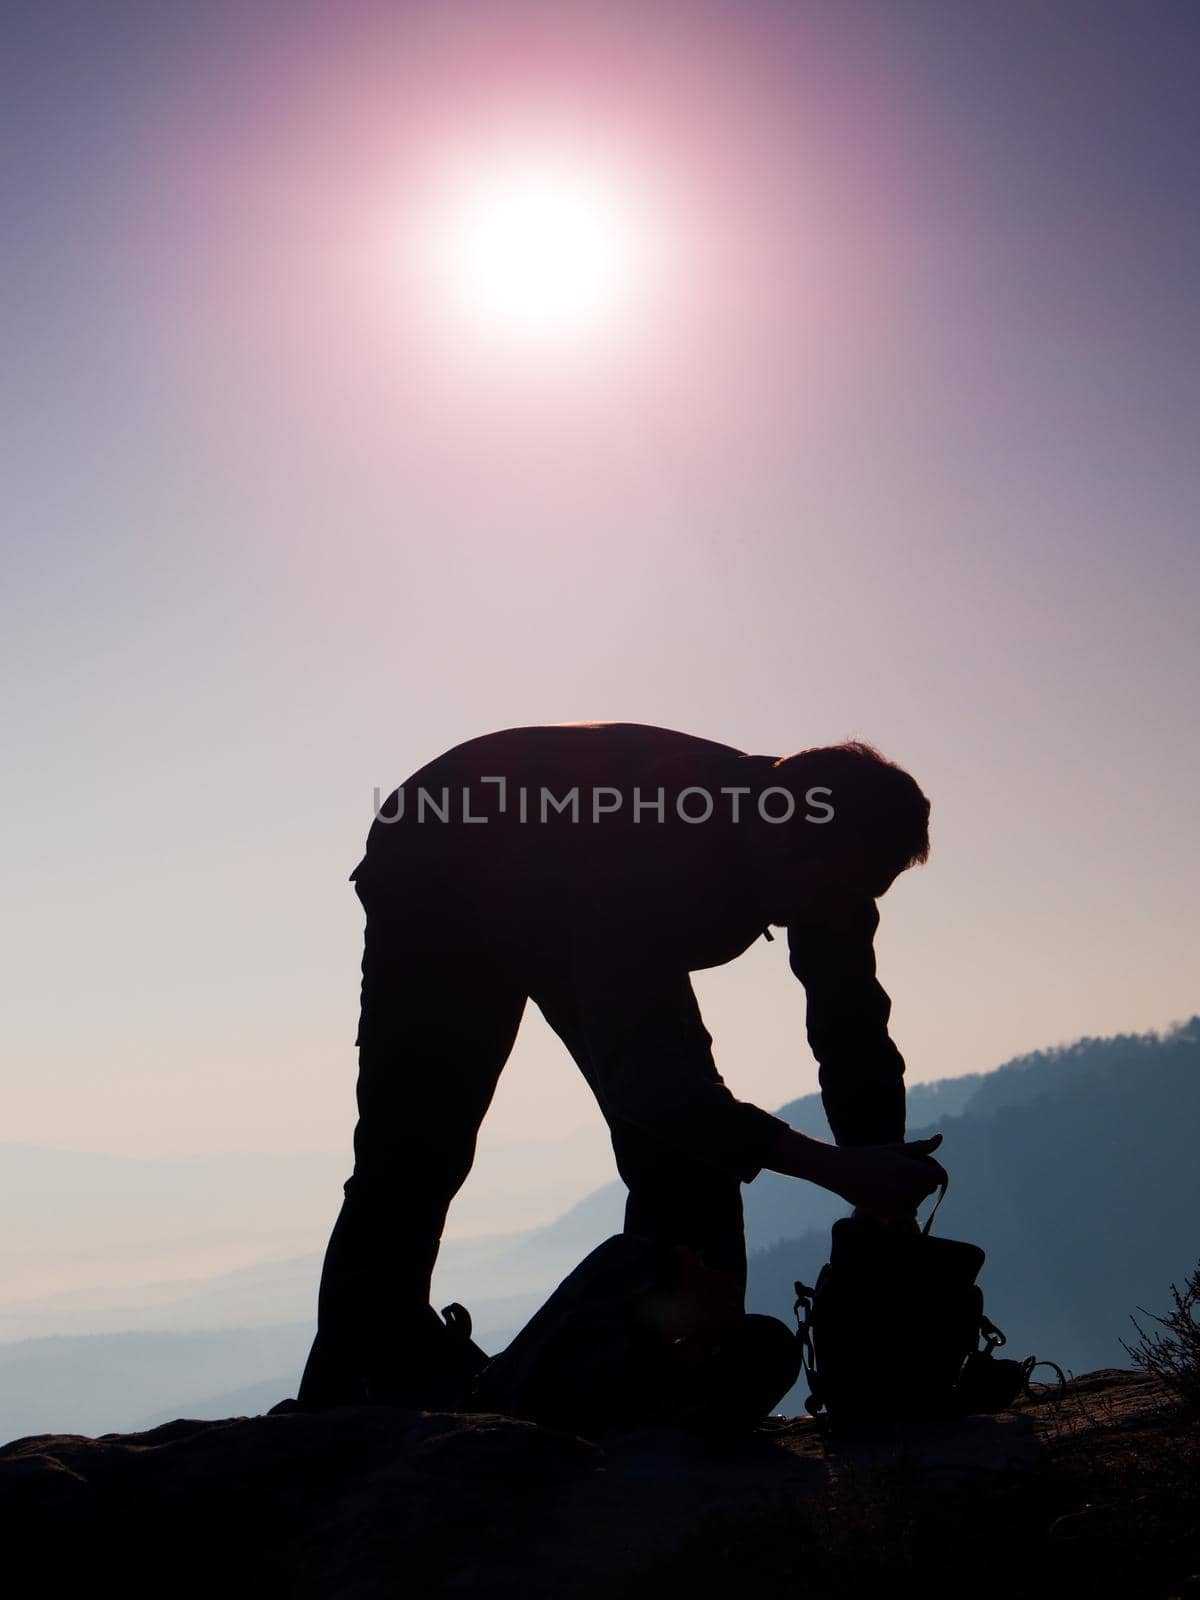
(533, 249)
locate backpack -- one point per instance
(894, 1329)
(641, 1333)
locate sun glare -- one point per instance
(532, 249)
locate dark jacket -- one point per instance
(613, 857)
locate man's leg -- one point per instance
(672, 1198)
(438, 1025)
(681, 1201)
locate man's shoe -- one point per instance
(428, 1364)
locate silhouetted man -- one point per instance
(592, 867)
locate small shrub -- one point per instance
(1173, 1355)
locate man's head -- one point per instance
(870, 820)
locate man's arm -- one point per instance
(650, 1060)
(861, 1070)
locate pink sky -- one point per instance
(896, 442)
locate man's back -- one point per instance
(528, 830)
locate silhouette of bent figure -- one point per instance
(592, 867)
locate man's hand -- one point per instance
(889, 1181)
(882, 1180)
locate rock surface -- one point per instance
(365, 1502)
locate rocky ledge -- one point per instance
(1096, 1491)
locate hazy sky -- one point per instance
(893, 433)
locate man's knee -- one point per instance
(409, 1183)
(651, 1168)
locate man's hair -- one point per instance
(871, 797)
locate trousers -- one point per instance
(440, 1014)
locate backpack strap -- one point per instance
(942, 1187)
(1030, 1365)
(803, 1311)
(458, 1319)
(993, 1338)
